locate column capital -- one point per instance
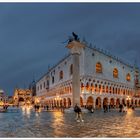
(75, 47)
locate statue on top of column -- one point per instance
(75, 37)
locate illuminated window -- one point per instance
(71, 69)
(128, 77)
(99, 88)
(106, 89)
(110, 90)
(91, 87)
(103, 89)
(95, 87)
(82, 87)
(87, 87)
(61, 75)
(98, 67)
(115, 73)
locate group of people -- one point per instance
(124, 107)
(106, 108)
(36, 107)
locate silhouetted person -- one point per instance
(78, 112)
(120, 107)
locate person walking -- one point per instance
(125, 108)
(78, 112)
(121, 108)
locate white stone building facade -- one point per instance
(103, 77)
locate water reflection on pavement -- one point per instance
(27, 123)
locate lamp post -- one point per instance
(58, 99)
(128, 100)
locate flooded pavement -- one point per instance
(27, 123)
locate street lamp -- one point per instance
(128, 99)
(58, 99)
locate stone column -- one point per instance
(75, 49)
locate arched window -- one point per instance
(115, 73)
(103, 89)
(87, 87)
(52, 79)
(99, 88)
(61, 75)
(91, 87)
(71, 69)
(82, 87)
(98, 67)
(106, 89)
(110, 90)
(128, 77)
(95, 87)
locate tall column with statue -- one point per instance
(75, 47)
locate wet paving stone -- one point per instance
(57, 124)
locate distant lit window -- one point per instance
(98, 67)
(115, 73)
(71, 69)
(61, 75)
(128, 77)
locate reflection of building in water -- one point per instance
(22, 96)
(104, 79)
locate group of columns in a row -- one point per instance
(105, 89)
(111, 101)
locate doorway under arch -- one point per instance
(112, 102)
(98, 103)
(90, 102)
(123, 101)
(64, 102)
(117, 102)
(135, 102)
(69, 102)
(81, 102)
(105, 101)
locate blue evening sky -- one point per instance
(31, 35)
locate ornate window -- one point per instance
(98, 67)
(128, 77)
(71, 69)
(61, 75)
(115, 73)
